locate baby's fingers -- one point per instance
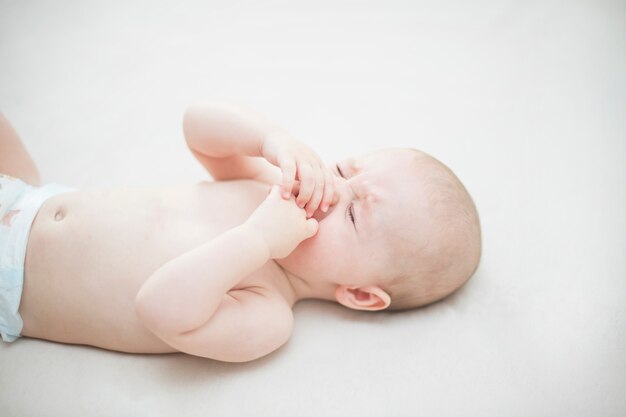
(315, 200)
(296, 188)
(288, 168)
(307, 183)
(329, 191)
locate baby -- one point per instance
(213, 269)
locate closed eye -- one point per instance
(349, 209)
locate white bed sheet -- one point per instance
(525, 101)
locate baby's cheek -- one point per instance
(330, 242)
(323, 231)
(318, 241)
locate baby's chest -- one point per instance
(110, 242)
(208, 207)
(135, 230)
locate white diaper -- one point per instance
(19, 204)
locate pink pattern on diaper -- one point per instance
(8, 217)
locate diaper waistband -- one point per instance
(28, 203)
(24, 205)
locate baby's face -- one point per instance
(379, 216)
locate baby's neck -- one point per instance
(307, 289)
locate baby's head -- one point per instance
(415, 237)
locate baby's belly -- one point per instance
(89, 252)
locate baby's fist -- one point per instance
(281, 223)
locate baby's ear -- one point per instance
(362, 298)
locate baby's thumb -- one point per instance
(311, 227)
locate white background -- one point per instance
(524, 100)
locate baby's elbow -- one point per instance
(144, 311)
(153, 317)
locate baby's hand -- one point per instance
(299, 162)
(281, 223)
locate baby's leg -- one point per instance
(14, 158)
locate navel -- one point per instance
(59, 215)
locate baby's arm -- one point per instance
(14, 158)
(232, 142)
(227, 140)
(190, 304)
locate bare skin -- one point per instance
(89, 252)
(122, 268)
(214, 269)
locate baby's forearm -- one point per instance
(221, 130)
(185, 292)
